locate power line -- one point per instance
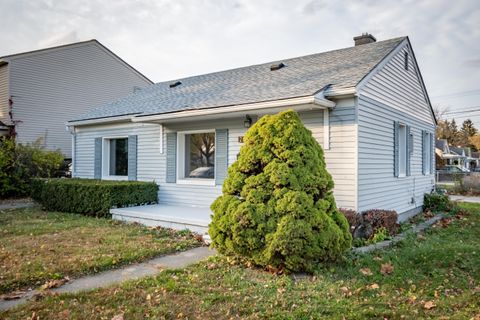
(475, 109)
(460, 93)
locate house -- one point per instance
(41, 90)
(443, 154)
(366, 105)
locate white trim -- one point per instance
(198, 182)
(161, 139)
(181, 160)
(326, 129)
(341, 92)
(126, 118)
(314, 100)
(106, 158)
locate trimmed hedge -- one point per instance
(92, 197)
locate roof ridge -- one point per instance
(273, 61)
(49, 48)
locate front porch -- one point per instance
(196, 219)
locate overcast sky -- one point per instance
(170, 39)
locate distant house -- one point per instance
(366, 105)
(41, 90)
(444, 155)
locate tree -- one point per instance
(277, 208)
(475, 141)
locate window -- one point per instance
(116, 157)
(196, 157)
(402, 150)
(427, 153)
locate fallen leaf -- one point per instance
(211, 266)
(386, 268)
(366, 271)
(13, 295)
(429, 305)
(373, 286)
(53, 284)
(118, 317)
(149, 297)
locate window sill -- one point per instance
(115, 178)
(199, 182)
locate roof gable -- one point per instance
(302, 76)
(94, 42)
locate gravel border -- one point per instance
(388, 243)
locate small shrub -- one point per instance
(371, 225)
(468, 184)
(92, 197)
(19, 164)
(377, 219)
(277, 209)
(352, 217)
(436, 202)
(381, 234)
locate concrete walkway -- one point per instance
(464, 198)
(130, 272)
(14, 204)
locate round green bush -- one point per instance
(277, 209)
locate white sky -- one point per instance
(167, 39)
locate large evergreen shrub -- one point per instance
(277, 207)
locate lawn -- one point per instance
(435, 275)
(37, 246)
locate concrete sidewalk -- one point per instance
(464, 198)
(130, 272)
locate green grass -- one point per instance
(36, 246)
(441, 267)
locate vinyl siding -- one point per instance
(4, 94)
(51, 87)
(393, 94)
(151, 163)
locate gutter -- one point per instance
(318, 100)
(125, 118)
(341, 92)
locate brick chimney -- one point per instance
(364, 39)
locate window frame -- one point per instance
(402, 152)
(428, 145)
(181, 160)
(106, 158)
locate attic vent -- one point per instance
(277, 66)
(406, 61)
(175, 84)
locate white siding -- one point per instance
(151, 163)
(54, 86)
(393, 94)
(4, 94)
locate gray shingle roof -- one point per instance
(302, 76)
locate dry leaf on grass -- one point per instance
(373, 286)
(386, 268)
(118, 317)
(429, 305)
(366, 271)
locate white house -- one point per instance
(41, 90)
(366, 105)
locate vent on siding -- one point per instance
(277, 66)
(406, 61)
(175, 84)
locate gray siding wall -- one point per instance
(52, 87)
(151, 164)
(393, 94)
(4, 94)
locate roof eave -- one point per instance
(314, 100)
